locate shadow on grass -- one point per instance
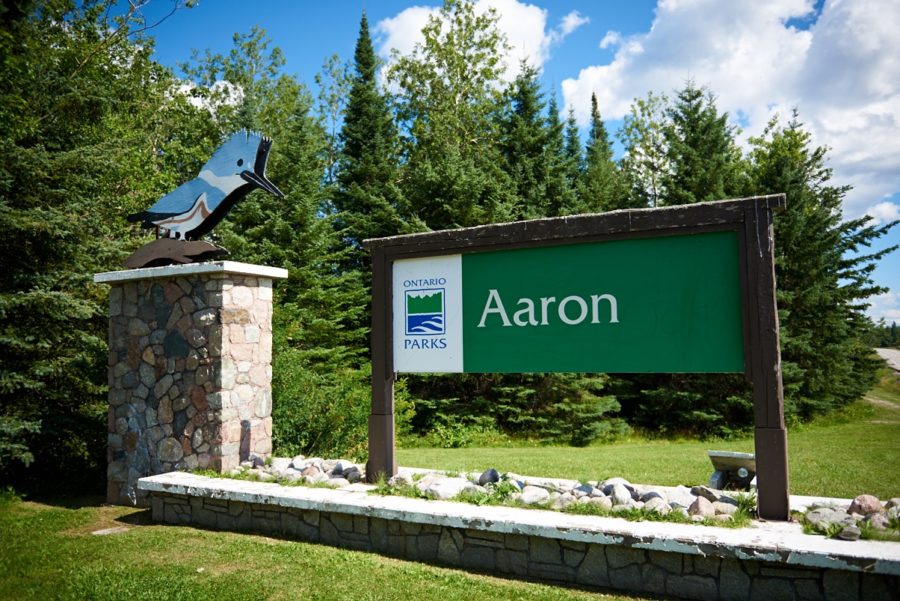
(138, 518)
(68, 501)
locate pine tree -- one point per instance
(600, 187)
(368, 198)
(704, 161)
(823, 274)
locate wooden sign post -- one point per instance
(685, 289)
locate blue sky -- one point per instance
(835, 61)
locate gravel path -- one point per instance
(891, 355)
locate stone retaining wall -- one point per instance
(620, 566)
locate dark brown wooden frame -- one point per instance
(751, 218)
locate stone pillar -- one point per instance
(190, 370)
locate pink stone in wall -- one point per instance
(243, 352)
(172, 292)
(241, 296)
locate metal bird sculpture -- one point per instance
(193, 209)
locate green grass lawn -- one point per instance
(853, 451)
(47, 551)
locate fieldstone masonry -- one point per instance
(621, 566)
(190, 370)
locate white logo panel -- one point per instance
(427, 315)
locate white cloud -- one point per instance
(571, 22)
(525, 27)
(843, 74)
(404, 31)
(886, 306)
(612, 38)
(884, 212)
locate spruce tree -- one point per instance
(523, 138)
(574, 157)
(823, 273)
(368, 198)
(704, 161)
(560, 187)
(600, 186)
(85, 119)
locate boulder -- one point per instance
(602, 502)
(401, 479)
(878, 521)
(722, 508)
(442, 488)
(607, 486)
(619, 494)
(823, 517)
(532, 495)
(680, 495)
(342, 466)
(850, 533)
(583, 490)
(261, 475)
(353, 475)
(705, 492)
(653, 494)
(489, 476)
(564, 501)
(657, 505)
(702, 507)
(865, 505)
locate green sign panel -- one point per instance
(666, 304)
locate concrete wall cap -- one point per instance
(173, 271)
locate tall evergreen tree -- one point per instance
(560, 187)
(823, 273)
(86, 129)
(704, 161)
(600, 188)
(574, 158)
(368, 198)
(449, 96)
(523, 138)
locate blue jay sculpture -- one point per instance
(193, 209)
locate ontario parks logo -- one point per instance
(425, 312)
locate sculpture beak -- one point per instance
(260, 181)
(257, 177)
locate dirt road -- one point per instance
(891, 355)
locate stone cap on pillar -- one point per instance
(172, 271)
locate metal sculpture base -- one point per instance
(168, 251)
